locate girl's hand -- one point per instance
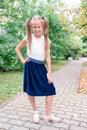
(25, 60)
(49, 77)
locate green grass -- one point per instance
(11, 82)
(85, 64)
(56, 65)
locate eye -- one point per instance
(34, 27)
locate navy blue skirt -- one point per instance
(35, 79)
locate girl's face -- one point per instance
(37, 28)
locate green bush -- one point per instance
(84, 52)
(14, 30)
(8, 58)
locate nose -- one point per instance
(37, 29)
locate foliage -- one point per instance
(81, 20)
(82, 23)
(14, 14)
(12, 22)
(10, 84)
(74, 47)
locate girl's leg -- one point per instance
(36, 115)
(49, 100)
(32, 101)
(49, 117)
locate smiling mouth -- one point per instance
(37, 32)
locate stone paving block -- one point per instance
(20, 109)
(63, 116)
(79, 106)
(83, 124)
(73, 122)
(32, 125)
(69, 110)
(24, 113)
(42, 116)
(77, 128)
(74, 108)
(24, 118)
(5, 126)
(11, 116)
(11, 111)
(61, 125)
(16, 122)
(80, 119)
(4, 119)
(41, 122)
(84, 115)
(3, 114)
(59, 106)
(81, 111)
(48, 128)
(31, 129)
(73, 114)
(7, 107)
(62, 129)
(59, 112)
(84, 103)
(19, 128)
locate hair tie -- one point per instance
(42, 17)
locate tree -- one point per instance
(13, 16)
(81, 21)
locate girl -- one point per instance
(37, 80)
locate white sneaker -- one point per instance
(52, 118)
(36, 117)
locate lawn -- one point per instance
(11, 82)
(85, 64)
(56, 65)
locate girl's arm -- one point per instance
(48, 60)
(18, 51)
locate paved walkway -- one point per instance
(68, 105)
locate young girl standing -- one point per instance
(37, 80)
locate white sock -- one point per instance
(35, 112)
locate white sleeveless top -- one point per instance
(37, 48)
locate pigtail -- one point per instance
(46, 29)
(28, 32)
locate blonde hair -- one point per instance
(45, 25)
